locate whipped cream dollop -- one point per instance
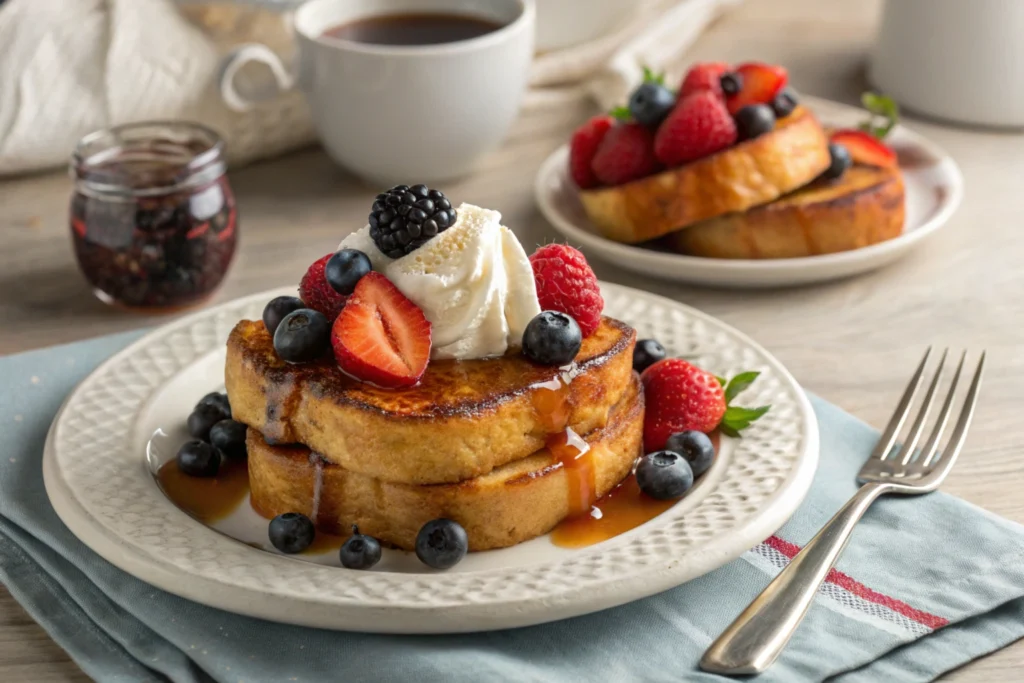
(473, 282)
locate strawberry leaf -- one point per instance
(721, 380)
(729, 431)
(884, 114)
(620, 114)
(739, 383)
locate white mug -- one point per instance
(956, 60)
(397, 113)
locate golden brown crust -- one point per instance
(511, 504)
(749, 174)
(863, 207)
(462, 420)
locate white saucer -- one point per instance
(96, 474)
(934, 188)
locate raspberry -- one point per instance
(700, 125)
(582, 148)
(625, 154)
(316, 293)
(704, 77)
(566, 283)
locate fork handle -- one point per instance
(758, 635)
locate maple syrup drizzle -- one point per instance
(208, 499)
(317, 462)
(623, 508)
(577, 459)
(283, 395)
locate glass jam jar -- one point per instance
(153, 218)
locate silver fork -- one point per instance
(758, 635)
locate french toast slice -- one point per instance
(510, 504)
(462, 420)
(862, 207)
(748, 174)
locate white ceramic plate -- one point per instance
(934, 188)
(96, 473)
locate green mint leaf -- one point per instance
(620, 113)
(738, 383)
(735, 413)
(652, 77)
(884, 114)
(729, 431)
(721, 380)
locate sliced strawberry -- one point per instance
(626, 153)
(583, 147)
(760, 84)
(865, 148)
(704, 76)
(381, 336)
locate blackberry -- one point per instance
(404, 218)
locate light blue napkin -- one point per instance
(925, 585)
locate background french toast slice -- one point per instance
(864, 206)
(463, 419)
(749, 174)
(511, 504)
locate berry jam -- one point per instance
(153, 218)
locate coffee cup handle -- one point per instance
(235, 60)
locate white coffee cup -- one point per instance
(401, 114)
(951, 59)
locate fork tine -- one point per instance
(963, 423)
(892, 430)
(910, 443)
(930, 449)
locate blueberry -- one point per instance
(841, 160)
(277, 309)
(202, 419)
(360, 551)
(346, 268)
(198, 459)
(695, 447)
(228, 436)
(664, 475)
(217, 399)
(441, 543)
(646, 353)
(754, 120)
(784, 103)
(731, 82)
(302, 336)
(650, 104)
(552, 338)
(291, 532)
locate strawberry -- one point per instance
(680, 396)
(566, 283)
(582, 148)
(317, 294)
(626, 153)
(704, 76)
(699, 125)
(865, 148)
(760, 84)
(381, 336)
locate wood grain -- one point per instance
(851, 342)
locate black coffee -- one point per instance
(413, 29)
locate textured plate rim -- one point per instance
(224, 592)
(555, 164)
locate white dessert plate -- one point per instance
(934, 188)
(129, 414)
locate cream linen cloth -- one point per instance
(69, 67)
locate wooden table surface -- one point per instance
(852, 342)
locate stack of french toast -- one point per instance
(731, 165)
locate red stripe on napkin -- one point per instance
(860, 590)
